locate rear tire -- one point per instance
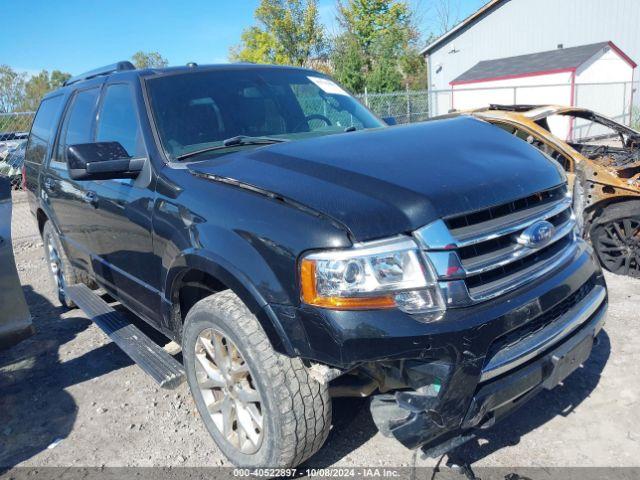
(294, 409)
(615, 235)
(60, 269)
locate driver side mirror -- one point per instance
(390, 121)
(101, 161)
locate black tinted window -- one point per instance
(43, 129)
(201, 109)
(78, 122)
(81, 117)
(118, 120)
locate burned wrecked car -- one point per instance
(298, 249)
(602, 160)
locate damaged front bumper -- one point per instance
(434, 383)
(509, 377)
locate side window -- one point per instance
(118, 120)
(43, 129)
(78, 123)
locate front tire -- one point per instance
(261, 408)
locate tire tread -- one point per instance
(304, 404)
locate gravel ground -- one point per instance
(70, 397)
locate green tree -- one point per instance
(149, 60)
(376, 23)
(11, 88)
(377, 47)
(39, 85)
(58, 78)
(413, 68)
(258, 46)
(349, 63)
(288, 32)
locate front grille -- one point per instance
(483, 281)
(504, 243)
(481, 248)
(522, 204)
(520, 334)
(488, 249)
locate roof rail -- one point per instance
(106, 70)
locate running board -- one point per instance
(150, 357)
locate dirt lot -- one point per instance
(71, 398)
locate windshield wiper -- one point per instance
(247, 140)
(236, 141)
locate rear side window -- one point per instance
(118, 120)
(78, 123)
(43, 129)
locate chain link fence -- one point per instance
(406, 107)
(15, 122)
(617, 100)
(620, 101)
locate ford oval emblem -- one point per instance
(537, 235)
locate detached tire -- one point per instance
(60, 269)
(261, 408)
(615, 235)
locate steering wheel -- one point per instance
(314, 116)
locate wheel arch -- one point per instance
(617, 254)
(195, 275)
(596, 210)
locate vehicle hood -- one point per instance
(392, 180)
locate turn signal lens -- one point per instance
(310, 294)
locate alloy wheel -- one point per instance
(228, 390)
(55, 265)
(618, 245)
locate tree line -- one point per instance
(376, 47)
(22, 93)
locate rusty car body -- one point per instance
(602, 160)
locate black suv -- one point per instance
(297, 249)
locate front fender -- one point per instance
(224, 271)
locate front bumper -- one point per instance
(504, 385)
(469, 368)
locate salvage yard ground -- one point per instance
(72, 390)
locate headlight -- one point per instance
(382, 274)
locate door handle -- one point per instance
(91, 198)
(49, 184)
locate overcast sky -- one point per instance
(78, 35)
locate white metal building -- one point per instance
(507, 28)
(550, 77)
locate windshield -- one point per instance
(194, 111)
